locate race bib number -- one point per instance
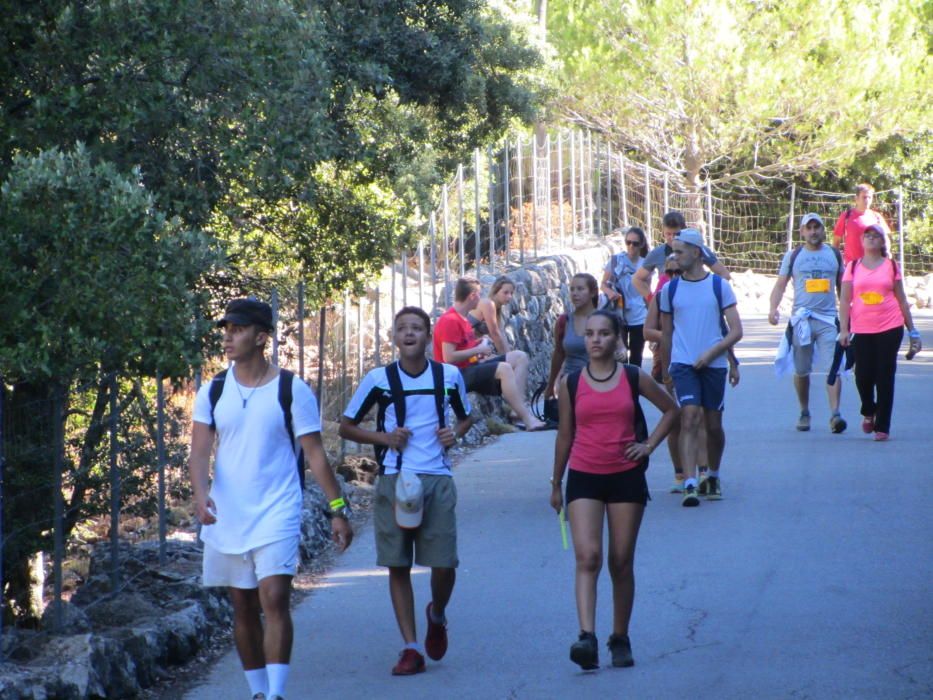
(871, 298)
(816, 286)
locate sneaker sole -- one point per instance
(691, 501)
(625, 664)
(584, 659)
(714, 497)
(803, 428)
(419, 669)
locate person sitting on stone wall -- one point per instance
(486, 318)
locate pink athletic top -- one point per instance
(874, 307)
(605, 425)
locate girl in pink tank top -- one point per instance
(603, 437)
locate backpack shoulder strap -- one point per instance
(286, 389)
(214, 393)
(672, 289)
(793, 258)
(717, 290)
(632, 374)
(840, 266)
(440, 392)
(573, 381)
(398, 393)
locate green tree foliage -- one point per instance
(733, 89)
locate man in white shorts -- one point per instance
(251, 512)
(817, 270)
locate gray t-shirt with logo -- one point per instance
(814, 276)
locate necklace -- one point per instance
(256, 386)
(605, 379)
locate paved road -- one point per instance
(811, 579)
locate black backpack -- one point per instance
(398, 401)
(632, 373)
(285, 401)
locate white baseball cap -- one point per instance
(807, 218)
(409, 500)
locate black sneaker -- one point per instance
(585, 651)
(690, 497)
(713, 489)
(621, 649)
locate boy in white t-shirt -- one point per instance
(418, 447)
(251, 512)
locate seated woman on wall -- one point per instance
(569, 346)
(486, 318)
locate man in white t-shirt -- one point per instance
(251, 512)
(693, 347)
(414, 450)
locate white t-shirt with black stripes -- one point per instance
(424, 453)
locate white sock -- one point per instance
(415, 646)
(690, 482)
(278, 674)
(714, 472)
(258, 681)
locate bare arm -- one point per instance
(562, 444)
(488, 310)
(349, 430)
(199, 469)
(641, 280)
(845, 301)
(452, 356)
(776, 295)
(316, 461)
(731, 338)
(720, 270)
(652, 327)
(667, 338)
(557, 359)
(901, 297)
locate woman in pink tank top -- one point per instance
(603, 439)
(873, 306)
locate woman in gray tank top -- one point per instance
(569, 345)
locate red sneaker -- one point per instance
(435, 642)
(409, 663)
(868, 424)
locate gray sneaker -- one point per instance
(803, 423)
(837, 423)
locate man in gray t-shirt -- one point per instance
(816, 269)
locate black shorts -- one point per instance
(629, 486)
(481, 376)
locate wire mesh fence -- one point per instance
(105, 461)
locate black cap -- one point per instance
(247, 312)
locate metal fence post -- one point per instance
(667, 193)
(58, 437)
(462, 242)
(521, 200)
(114, 490)
(275, 327)
(344, 361)
(901, 234)
(581, 159)
(535, 184)
(647, 201)
(477, 233)
(322, 330)
(609, 184)
(446, 223)
(547, 191)
(491, 196)
(598, 168)
(709, 215)
(432, 232)
(392, 307)
(160, 452)
(573, 188)
(420, 273)
(301, 330)
(624, 189)
(790, 216)
(404, 278)
(560, 187)
(590, 199)
(377, 345)
(507, 197)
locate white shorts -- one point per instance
(246, 570)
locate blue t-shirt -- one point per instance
(814, 276)
(696, 319)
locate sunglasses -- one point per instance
(872, 234)
(628, 242)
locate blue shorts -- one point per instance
(705, 387)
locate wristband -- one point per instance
(337, 503)
(914, 333)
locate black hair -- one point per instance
(640, 232)
(415, 311)
(613, 320)
(674, 219)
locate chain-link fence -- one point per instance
(106, 461)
